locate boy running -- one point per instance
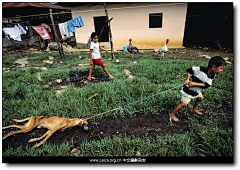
(202, 78)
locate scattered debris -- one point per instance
(137, 153)
(48, 61)
(63, 87)
(58, 80)
(44, 68)
(51, 57)
(206, 56)
(226, 58)
(21, 62)
(117, 61)
(83, 64)
(74, 152)
(58, 92)
(39, 76)
(53, 46)
(50, 83)
(93, 96)
(128, 73)
(86, 82)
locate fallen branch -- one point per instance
(93, 96)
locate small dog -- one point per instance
(52, 124)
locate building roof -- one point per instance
(32, 4)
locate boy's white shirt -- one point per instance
(95, 47)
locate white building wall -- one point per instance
(132, 21)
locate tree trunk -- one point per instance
(56, 36)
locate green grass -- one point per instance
(133, 95)
(202, 143)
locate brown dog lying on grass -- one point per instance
(52, 124)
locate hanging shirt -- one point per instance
(64, 31)
(75, 22)
(14, 33)
(95, 47)
(23, 27)
(42, 31)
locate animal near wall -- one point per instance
(132, 21)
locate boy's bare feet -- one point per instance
(173, 117)
(197, 112)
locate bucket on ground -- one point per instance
(125, 48)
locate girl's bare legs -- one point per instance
(90, 73)
(179, 107)
(105, 69)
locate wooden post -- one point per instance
(56, 37)
(109, 30)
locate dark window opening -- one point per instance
(155, 20)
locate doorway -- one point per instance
(100, 23)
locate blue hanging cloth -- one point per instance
(75, 22)
(23, 27)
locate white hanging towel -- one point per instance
(14, 33)
(64, 31)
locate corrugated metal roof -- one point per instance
(35, 4)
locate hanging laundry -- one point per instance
(75, 22)
(23, 27)
(42, 31)
(47, 27)
(13, 32)
(64, 31)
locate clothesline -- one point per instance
(56, 13)
(66, 29)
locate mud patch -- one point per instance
(17, 96)
(139, 125)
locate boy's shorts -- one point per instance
(186, 100)
(98, 62)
